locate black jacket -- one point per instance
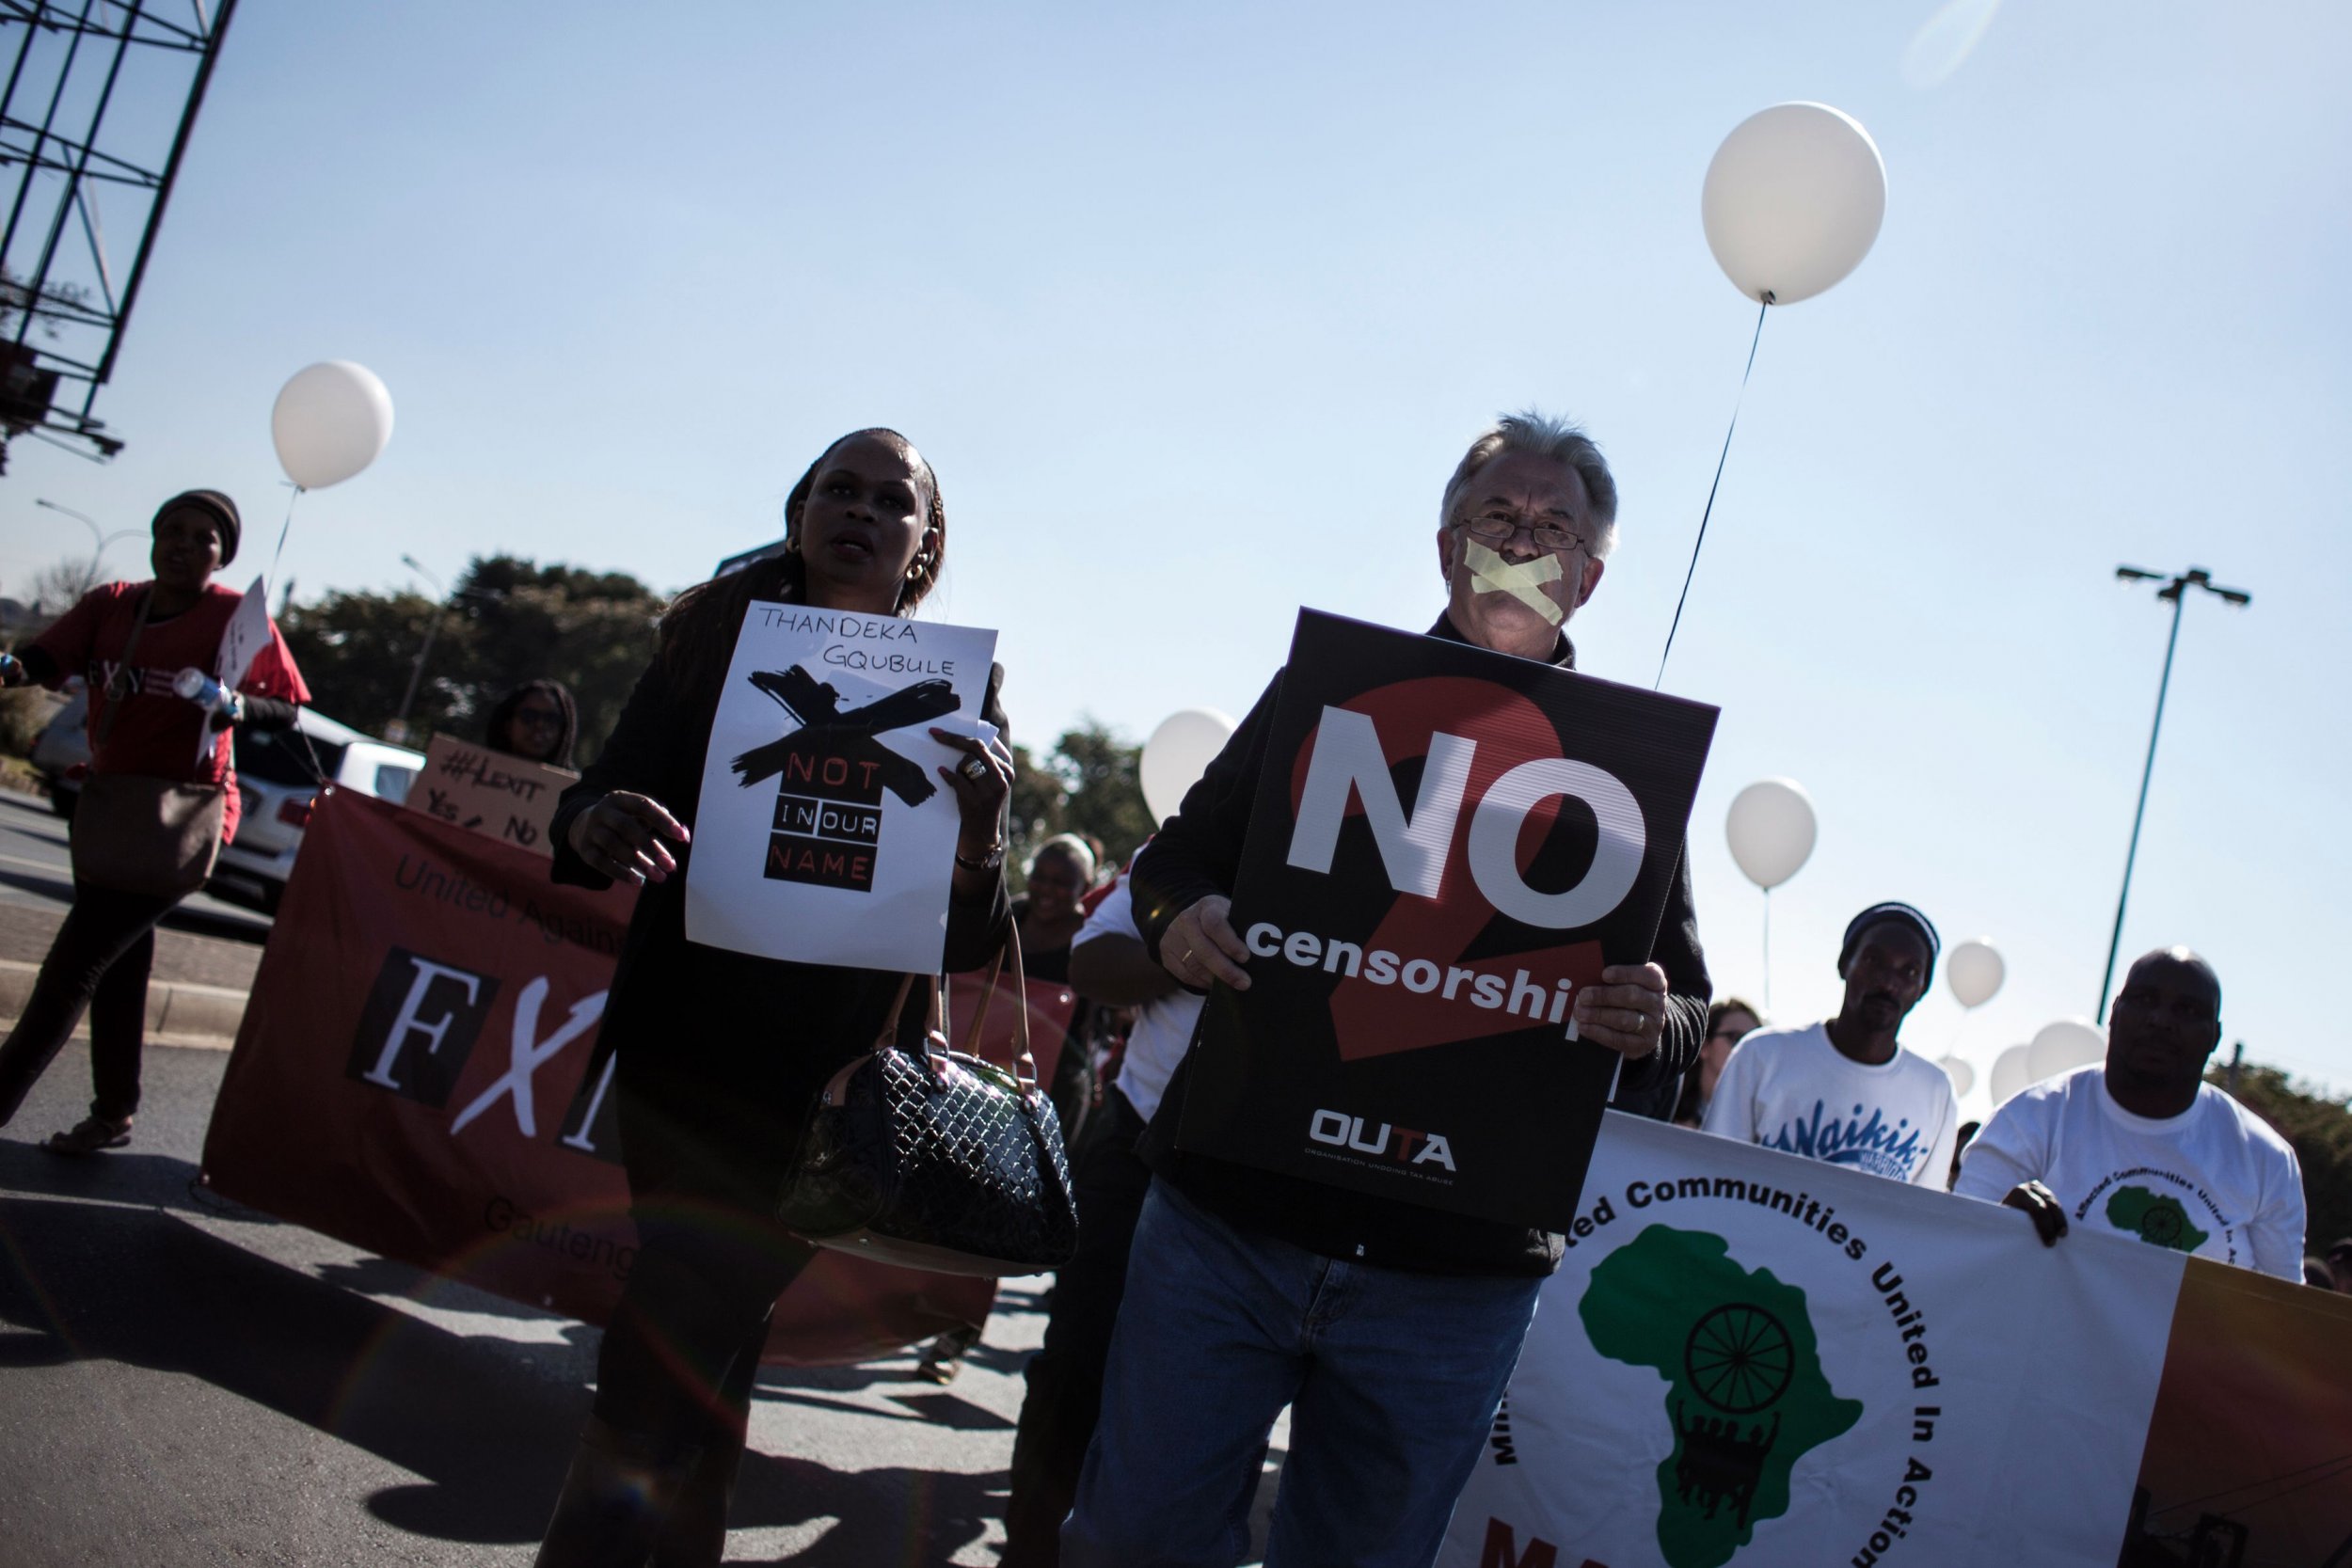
(1197, 853)
(720, 1053)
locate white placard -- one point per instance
(246, 635)
(823, 833)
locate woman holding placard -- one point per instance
(717, 1054)
(161, 796)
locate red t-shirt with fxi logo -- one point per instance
(160, 733)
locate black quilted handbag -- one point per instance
(936, 1159)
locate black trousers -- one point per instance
(1065, 1376)
(99, 964)
(682, 1351)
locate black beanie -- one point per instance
(1900, 913)
(224, 512)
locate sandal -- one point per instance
(89, 1136)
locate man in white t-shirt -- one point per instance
(1109, 964)
(1845, 1090)
(2141, 1145)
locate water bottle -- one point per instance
(201, 689)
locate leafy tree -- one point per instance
(1039, 800)
(2320, 1128)
(355, 650)
(1087, 784)
(1102, 776)
(508, 621)
(594, 631)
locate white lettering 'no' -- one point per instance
(525, 1057)
(1348, 760)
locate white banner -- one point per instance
(1752, 1359)
(824, 833)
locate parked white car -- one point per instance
(278, 774)
(278, 781)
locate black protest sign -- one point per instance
(1447, 843)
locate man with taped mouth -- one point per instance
(1389, 1328)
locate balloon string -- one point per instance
(283, 529)
(1710, 511)
(1768, 951)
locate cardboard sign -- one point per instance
(823, 833)
(1446, 843)
(413, 1076)
(487, 792)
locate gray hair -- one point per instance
(1562, 441)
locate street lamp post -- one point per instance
(2176, 590)
(397, 731)
(99, 539)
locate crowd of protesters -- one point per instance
(1205, 1297)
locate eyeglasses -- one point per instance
(539, 717)
(1497, 528)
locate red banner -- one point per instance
(411, 1077)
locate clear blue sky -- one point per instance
(1195, 307)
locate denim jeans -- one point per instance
(1392, 1379)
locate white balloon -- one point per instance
(2063, 1046)
(1772, 830)
(1793, 202)
(2010, 1072)
(1975, 971)
(331, 420)
(1964, 1077)
(1179, 751)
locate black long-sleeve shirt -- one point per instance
(726, 1048)
(1197, 852)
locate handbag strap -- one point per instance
(116, 701)
(1024, 1064)
(935, 1016)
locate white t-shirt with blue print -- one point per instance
(1790, 1089)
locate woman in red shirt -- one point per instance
(138, 725)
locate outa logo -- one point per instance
(1401, 1144)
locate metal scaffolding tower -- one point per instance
(87, 127)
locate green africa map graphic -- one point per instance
(1745, 1391)
(2153, 1218)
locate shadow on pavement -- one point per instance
(112, 1281)
(117, 1177)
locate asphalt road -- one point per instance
(184, 1382)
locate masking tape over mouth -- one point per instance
(1522, 580)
